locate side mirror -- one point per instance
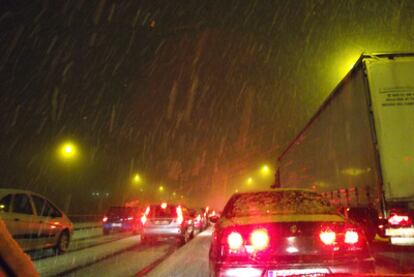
(214, 218)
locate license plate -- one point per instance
(400, 232)
(116, 224)
(296, 272)
(161, 222)
(402, 241)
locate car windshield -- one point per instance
(277, 202)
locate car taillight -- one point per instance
(198, 218)
(180, 217)
(147, 210)
(105, 219)
(259, 239)
(351, 237)
(143, 219)
(235, 241)
(328, 237)
(399, 220)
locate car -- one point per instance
(34, 221)
(200, 220)
(286, 232)
(121, 219)
(166, 221)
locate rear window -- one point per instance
(159, 212)
(277, 202)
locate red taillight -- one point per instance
(328, 237)
(259, 239)
(105, 219)
(235, 241)
(399, 220)
(180, 217)
(164, 205)
(198, 218)
(147, 210)
(143, 219)
(351, 237)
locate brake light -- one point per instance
(143, 219)
(259, 239)
(180, 217)
(198, 218)
(351, 237)
(400, 220)
(164, 205)
(105, 219)
(235, 241)
(147, 210)
(328, 237)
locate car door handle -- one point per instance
(16, 219)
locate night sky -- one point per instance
(193, 95)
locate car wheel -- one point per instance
(63, 243)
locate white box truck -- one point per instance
(358, 148)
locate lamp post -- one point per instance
(68, 153)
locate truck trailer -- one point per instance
(358, 148)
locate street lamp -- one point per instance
(265, 170)
(250, 180)
(68, 150)
(161, 188)
(137, 179)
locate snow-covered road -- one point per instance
(189, 260)
(127, 257)
(55, 265)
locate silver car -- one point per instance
(34, 221)
(166, 220)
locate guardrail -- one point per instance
(86, 225)
(78, 218)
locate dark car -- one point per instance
(121, 219)
(286, 232)
(166, 221)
